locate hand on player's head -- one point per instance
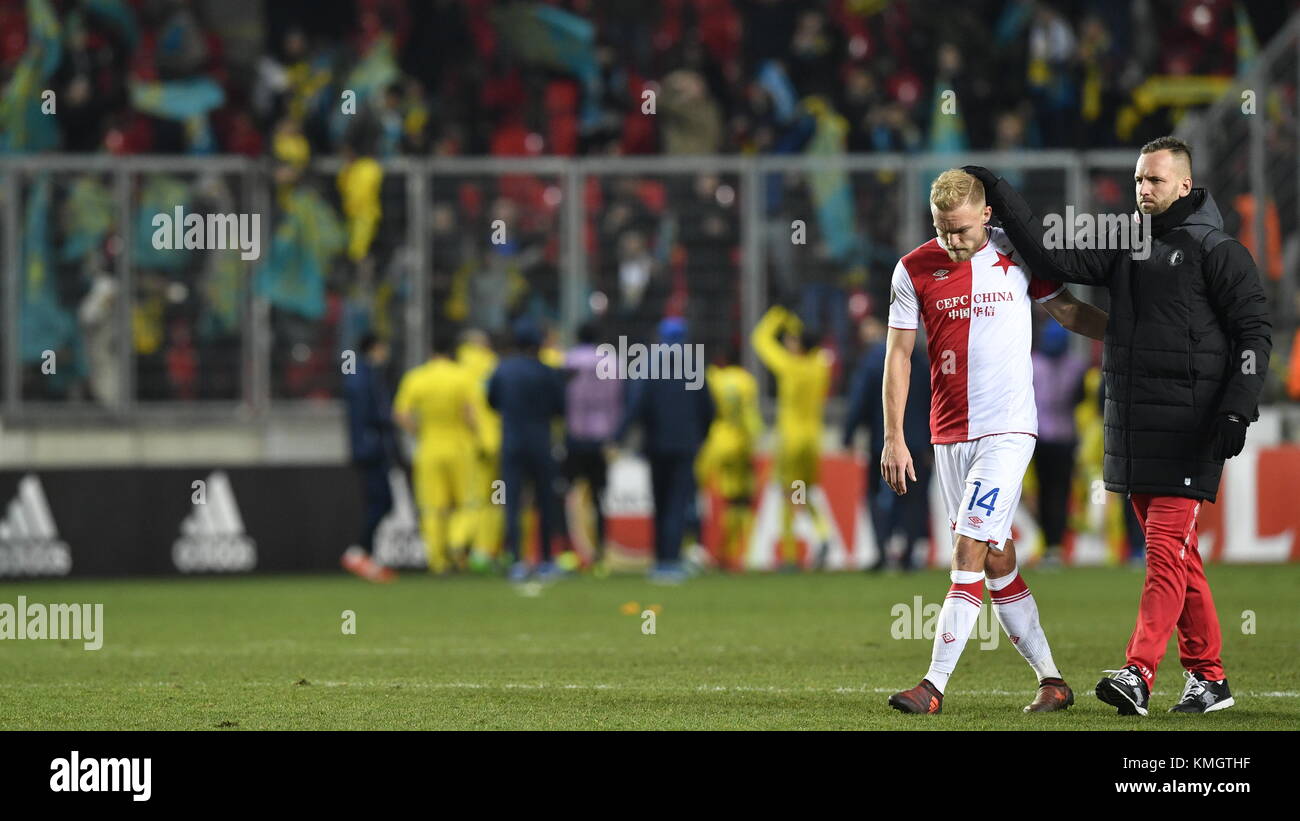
(979, 172)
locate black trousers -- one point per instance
(1055, 464)
(891, 512)
(672, 480)
(585, 459)
(535, 466)
(376, 500)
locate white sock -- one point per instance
(1018, 614)
(956, 620)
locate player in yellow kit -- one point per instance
(475, 354)
(436, 402)
(803, 377)
(727, 457)
(551, 353)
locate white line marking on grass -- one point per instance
(471, 685)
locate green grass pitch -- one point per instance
(753, 652)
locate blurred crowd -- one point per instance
(357, 83)
(472, 77)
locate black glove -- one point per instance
(1229, 436)
(982, 174)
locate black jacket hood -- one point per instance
(1197, 208)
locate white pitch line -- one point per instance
(703, 688)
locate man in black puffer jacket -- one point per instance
(1186, 350)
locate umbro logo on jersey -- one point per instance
(942, 273)
(29, 541)
(975, 520)
(212, 536)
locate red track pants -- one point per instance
(1176, 592)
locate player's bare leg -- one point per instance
(1017, 612)
(789, 550)
(822, 528)
(434, 523)
(957, 618)
(735, 532)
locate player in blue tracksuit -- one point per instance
(889, 511)
(529, 395)
(674, 422)
(374, 446)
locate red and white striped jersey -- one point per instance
(978, 324)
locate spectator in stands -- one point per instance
(99, 324)
(640, 286)
(359, 182)
(814, 56)
(690, 118)
(389, 115)
(1052, 87)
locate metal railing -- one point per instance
(715, 231)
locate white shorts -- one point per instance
(980, 483)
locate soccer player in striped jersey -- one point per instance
(974, 298)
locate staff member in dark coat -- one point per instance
(529, 395)
(889, 511)
(1186, 350)
(373, 441)
(674, 421)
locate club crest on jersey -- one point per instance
(1175, 257)
(942, 273)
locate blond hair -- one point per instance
(955, 188)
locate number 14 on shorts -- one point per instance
(985, 502)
